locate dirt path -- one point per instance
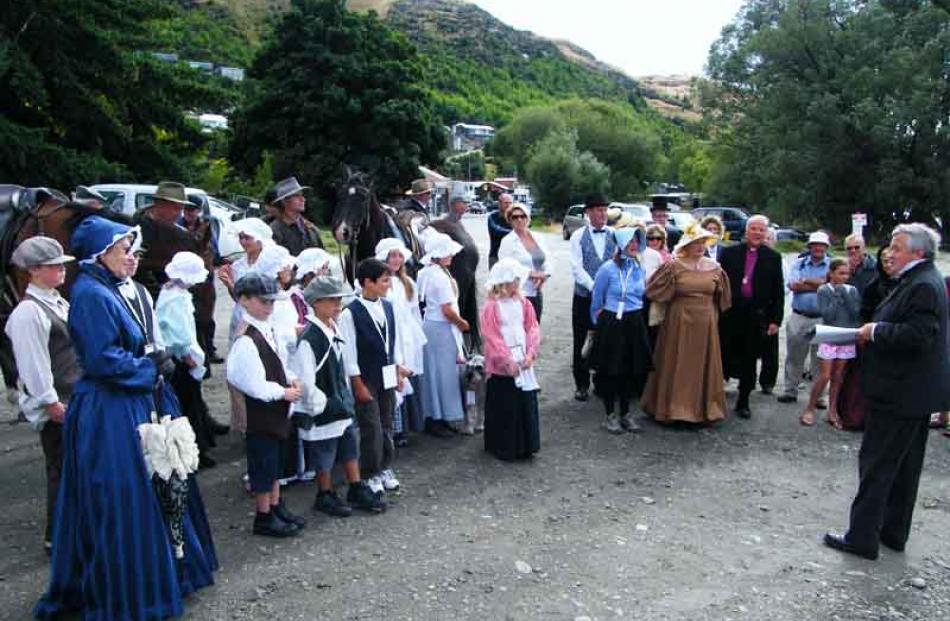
(721, 523)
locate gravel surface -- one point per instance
(721, 523)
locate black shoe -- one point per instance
(206, 461)
(281, 511)
(361, 497)
(581, 394)
(331, 504)
(437, 428)
(401, 440)
(215, 359)
(743, 411)
(838, 542)
(217, 428)
(787, 399)
(766, 390)
(269, 525)
(892, 544)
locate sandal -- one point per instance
(807, 418)
(834, 421)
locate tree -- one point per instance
(80, 106)
(560, 174)
(826, 107)
(333, 87)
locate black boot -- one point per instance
(281, 511)
(331, 504)
(269, 525)
(360, 496)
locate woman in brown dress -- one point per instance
(687, 384)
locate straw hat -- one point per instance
(187, 267)
(695, 233)
(420, 186)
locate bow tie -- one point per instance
(595, 231)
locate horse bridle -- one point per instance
(352, 189)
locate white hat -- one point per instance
(387, 245)
(311, 261)
(695, 233)
(440, 246)
(273, 260)
(188, 268)
(819, 237)
(506, 270)
(253, 227)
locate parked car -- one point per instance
(128, 199)
(681, 219)
(476, 207)
(733, 219)
(573, 220)
(784, 233)
(637, 210)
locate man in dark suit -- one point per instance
(758, 305)
(906, 374)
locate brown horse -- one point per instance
(360, 221)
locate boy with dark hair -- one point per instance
(374, 366)
(324, 415)
(257, 368)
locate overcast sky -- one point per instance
(642, 37)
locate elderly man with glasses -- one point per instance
(863, 266)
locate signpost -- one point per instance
(858, 222)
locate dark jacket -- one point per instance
(768, 283)
(296, 237)
(906, 370)
(862, 277)
(498, 227)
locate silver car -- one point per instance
(573, 219)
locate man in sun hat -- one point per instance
(291, 229)
(162, 234)
(806, 275)
(44, 354)
(420, 193)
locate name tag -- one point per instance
(620, 308)
(470, 397)
(390, 379)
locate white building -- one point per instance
(466, 137)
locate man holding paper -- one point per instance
(906, 377)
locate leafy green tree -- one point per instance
(560, 174)
(80, 106)
(827, 107)
(333, 87)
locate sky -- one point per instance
(641, 37)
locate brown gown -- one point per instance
(687, 384)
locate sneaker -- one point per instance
(269, 525)
(389, 480)
(331, 504)
(281, 511)
(375, 485)
(628, 423)
(612, 424)
(308, 476)
(361, 497)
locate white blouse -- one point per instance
(512, 247)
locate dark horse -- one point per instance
(360, 221)
(27, 212)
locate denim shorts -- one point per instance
(265, 461)
(323, 454)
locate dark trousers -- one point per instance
(580, 323)
(375, 420)
(8, 362)
(51, 439)
(745, 338)
(769, 372)
(889, 464)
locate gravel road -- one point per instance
(721, 523)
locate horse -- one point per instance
(360, 221)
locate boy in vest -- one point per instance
(374, 364)
(324, 414)
(257, 368)
(44, 355)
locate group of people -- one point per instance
(323, 375)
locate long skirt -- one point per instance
(512, 423)
(622, 346)
(112, 556)
(188, 391)
(441, 394)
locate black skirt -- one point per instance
(512, 422)
(188, 391)
(622, 346)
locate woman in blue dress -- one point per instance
(112, 556)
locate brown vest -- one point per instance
(63, 362)
(267, 418)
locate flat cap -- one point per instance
(39, 250)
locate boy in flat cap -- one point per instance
(44, 355)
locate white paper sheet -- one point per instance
(835, 336)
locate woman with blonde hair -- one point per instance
(529, 251)
(695, 290)
(656, 240)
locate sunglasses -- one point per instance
(519, 217)
(654, 239)
(852, 247)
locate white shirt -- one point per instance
(511, 316)
(512, 247)
(436, 289)
(348, 331)
(713, 252)
(245, 369)
(28, 328)
(314, 400)
(581, 277)
(650, 261)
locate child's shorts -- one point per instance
(827, 351)
(323, 454)
(265, 459)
